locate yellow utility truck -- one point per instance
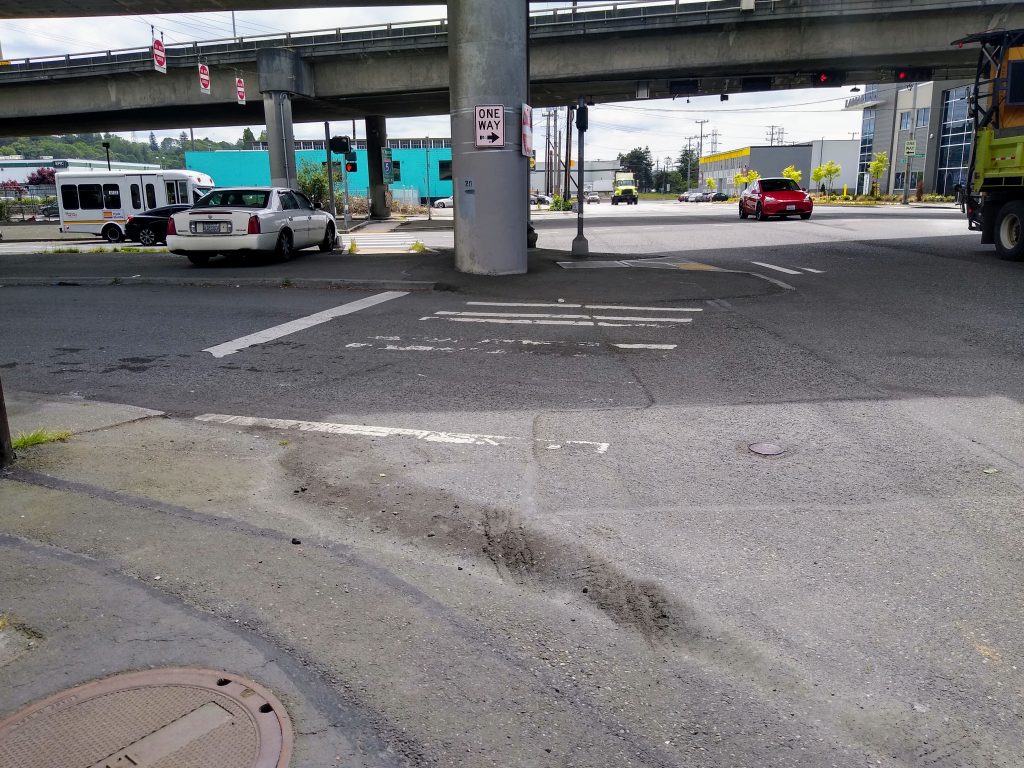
(994, 198)
(625, 188)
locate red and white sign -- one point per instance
(240, 90)
(204, 79)
(527, 130)
(159, 56)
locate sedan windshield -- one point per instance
(779, 185)
(234, 198)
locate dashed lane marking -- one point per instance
(285, 329)
(366, 430)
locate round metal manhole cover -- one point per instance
(767, 449)
(163, 718)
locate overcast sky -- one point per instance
(661, 125)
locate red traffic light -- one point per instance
(351, 167)
(913, 74)
(827, 78)
(823, 77)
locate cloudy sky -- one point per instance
(661, 125)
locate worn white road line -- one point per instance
(645, 346)
(815, 271)
(784, 270)
(772, 280)
(643, 309)
(366, 430)
(528, 315)
(522, 304)
(646, 319)
(446, 313)
(269, 334)
(510, 321)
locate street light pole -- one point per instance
(106, 147)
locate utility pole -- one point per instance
(775, 134)
(714, 141)
(700, 147)
(330, 169)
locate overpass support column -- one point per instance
(377, 139)
(277, 107)
(487, 60)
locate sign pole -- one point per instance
(580, 247)
(330, 171)
(913, 135)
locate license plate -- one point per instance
(213, 227)
(790, 207)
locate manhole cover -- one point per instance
(767, 449)
(164, 718)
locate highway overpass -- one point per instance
(608, 53)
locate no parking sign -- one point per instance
(240, 90)
(204, 79)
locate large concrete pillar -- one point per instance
(277, 106)
(282, 72)
(487, 60)
(376, 140)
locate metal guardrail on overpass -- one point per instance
(614, 18)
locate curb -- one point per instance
(251, 282)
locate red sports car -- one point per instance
(775, 197)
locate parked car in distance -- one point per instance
(719, 197)
(775, 197)
(593, 197)
(540, 200)
(445, 202)
(245, 220)
(150, 227)
(49, 211)
(692, 196)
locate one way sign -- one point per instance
(490, 125)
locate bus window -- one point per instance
(150, 196)
(111, 196)
(136, 197)
(90, 196)
(171, 196)
(182, 191)
(69, 197)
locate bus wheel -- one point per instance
(1010, 231)
(112, 234)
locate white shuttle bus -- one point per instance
(100, 202)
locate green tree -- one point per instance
(247, 139)
(712, 184)
(877, 169)
(739, 181)
(263, 135)
(689, 166)
(312, 180)
(791, 172)
(826, 173)
(152, 142)
(640, 162)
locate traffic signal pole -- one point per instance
(330, 168)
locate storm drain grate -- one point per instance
(162, 718)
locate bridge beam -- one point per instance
(277, 105)
(487, 59)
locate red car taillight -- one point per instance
(254, 226)
(171, 229)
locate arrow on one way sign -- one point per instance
(489, 122)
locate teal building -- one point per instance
(422, 166)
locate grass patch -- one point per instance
(39, 437)
(64, 250)
(287, 283)
(418, 247)
(352, 247)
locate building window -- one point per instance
(867, 145)
(923, 116)
(954, 141)
(904, 121)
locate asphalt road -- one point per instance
(618, 578)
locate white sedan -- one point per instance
(250, 220)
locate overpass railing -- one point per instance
(614, 17)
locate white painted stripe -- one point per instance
(511, 321)
(815, 271)
(514, 304)
(647, 319)
(643, 309)
(365, 430)
(777, 269)
(772, 280)
(269, 334)
(446, 313)
(645, 346)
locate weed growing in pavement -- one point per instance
(417, 247)
(287, 283)
(352, 247)
(64, 250)
(39, 437)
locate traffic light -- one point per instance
(913, 75)
(350, 162)
(827, 78)
(582, 118)
(340, 145)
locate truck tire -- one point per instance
(1010, 231)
